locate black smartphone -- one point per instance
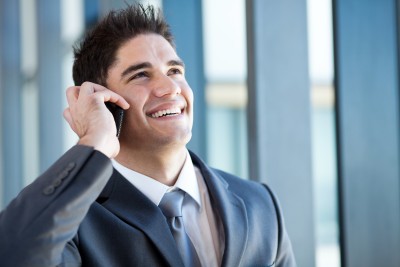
(118, 114)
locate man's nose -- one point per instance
(165, 85)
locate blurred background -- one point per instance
(299, 94)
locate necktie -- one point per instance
(171, 206)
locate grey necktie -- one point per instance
(171, 206)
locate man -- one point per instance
(88, 210)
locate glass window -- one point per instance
(323, 133)
(226, 92)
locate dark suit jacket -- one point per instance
(74, 215)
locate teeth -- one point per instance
(166, 112)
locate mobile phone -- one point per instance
(118, 114)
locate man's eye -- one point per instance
(175, 71)
(139, 75)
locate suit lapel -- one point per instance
(129, 204)
(231, 210)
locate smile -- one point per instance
(167, 112)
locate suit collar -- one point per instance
(120, 196)
(130, 205)
(231, 210)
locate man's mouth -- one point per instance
(167, 112)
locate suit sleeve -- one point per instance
(285, 256)
(36, 226)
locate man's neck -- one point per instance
(161, 165)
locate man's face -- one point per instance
(150, 76)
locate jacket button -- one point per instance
(63, 174)
(70, 166)
(49, 190)
(57, 182)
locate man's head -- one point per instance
(97, 52)
(131, 52)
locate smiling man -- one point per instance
(149, 74)
(142, 199)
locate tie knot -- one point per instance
(171, 203)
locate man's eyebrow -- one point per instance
(176, 62)
(135, 67)
(144, 65)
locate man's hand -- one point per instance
(90, 119)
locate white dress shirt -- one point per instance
(203, 227)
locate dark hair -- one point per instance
(97, 52)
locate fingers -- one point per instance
(103, 94)
(68, 117)
(108, 95)
(89, 118)
(88, 88)
(117, 99)
(72, 94)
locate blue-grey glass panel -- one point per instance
(279, 113)
(91, 12)
(11, 85)
(51, 93)
(366, 47)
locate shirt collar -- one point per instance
(187, 180)
(155, 190)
